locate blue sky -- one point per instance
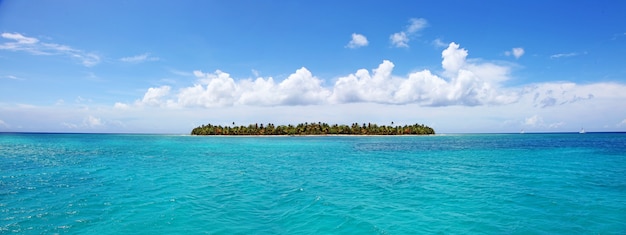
(168, 66)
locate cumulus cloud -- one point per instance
(219, 89)
(358, 40)
(19, 42)
(365, 87)
(516, 52)
(139, 58)
(463, 82)
(153, 96)
(88, 122)
(401, 39)
(453, 58)
(119, 105)
(622, 123)
(302, 88)
(533, 121)
(92, 121)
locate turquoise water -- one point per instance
(447, 184)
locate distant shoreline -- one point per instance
(322, 135)
(187, 134)
(313, 129)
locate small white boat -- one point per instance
(582, 131)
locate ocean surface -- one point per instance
(441, 184)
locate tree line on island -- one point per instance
(313, 128)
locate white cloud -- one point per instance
(463, 83)
(401, 39)
(139, 58)
(88, 122)
(153, 96)
(556, 125)
(560, 93)
(3, 124)
(80, 99)
(219, 89)
(12, 77)
(622, 123)
(453, 58)
(516, 52)
(70, 125)
(261, 92)
(213, 90)
(416, 25)
(180, 73)
(358, 40)
(439, 43)
(363, 87)
(19, 42)
(563, 55)
(601, 113)
(302, 88)
(119, 105)
(467, 88)
(20, 39)
(87, 59)
(92, 121)
(533, 121)
(256, 73)
(537, 122)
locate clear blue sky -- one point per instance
(168, 66)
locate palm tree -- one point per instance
(313, 128)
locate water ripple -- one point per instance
(493, 184)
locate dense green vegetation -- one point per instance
(313, 129)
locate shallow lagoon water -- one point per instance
(167, 184)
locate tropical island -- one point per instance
(313, 128)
